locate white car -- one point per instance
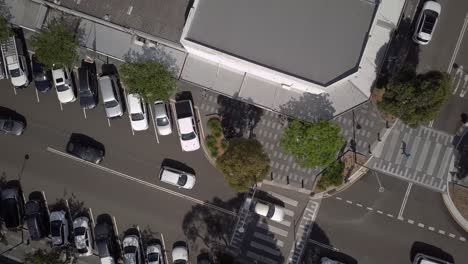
(154, 254)
(163, 121)
(177, 178)
(138, 114)
(82, 233)
(131, 250)
(188, 136)
(427, 22)
(15, 67)
(59, 228)
(63, 86)
(180, 253)
(271, 211)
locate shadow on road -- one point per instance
(177, 165)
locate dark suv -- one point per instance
(105, 242)
(12, 207)
(88, 85)
(35, 219)
(42, 78)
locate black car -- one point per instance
(11, 124)
(12, 208)
(85, 148)
(105, 242)
(35, 219)
(42, 78)
(88, 85)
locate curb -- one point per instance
(461, 221)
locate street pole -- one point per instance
(26, 157)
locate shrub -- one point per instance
(333, 176)
(224, 144)
(215, 127)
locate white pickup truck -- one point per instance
(187, 126)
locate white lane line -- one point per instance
(115, 226)
(405, 200)
(153, 120)
(359, 205)
(339, 198)
(431, 228)
(369, 208)
(323, 245)
(390, 215)
(108, 122)
(84, 113)
(164, 247)
(410, 221)
(284, 199)
(37, 96)
(421, 225)
(452, 235)
(457, 47)
(61, 106)
(151, 185)
(380, 212)
(442, 232)
(348, 201)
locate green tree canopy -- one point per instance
(149, 79)
(332, 176)
(244, 163)
(5, 30)
(312, 145)
(56, 46)
(416, 99)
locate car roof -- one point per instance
(134, 102)
(170, 174)
(261, 208)
(185, 125)
(160, 109)
(106, 88)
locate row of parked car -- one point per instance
(78, 230)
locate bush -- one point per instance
(333, 176)
(215, 127)
(224, 144)
(211, 144)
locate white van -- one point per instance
(177, 178)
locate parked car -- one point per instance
(59, 228)
(132, 250)
(425, 259)
(86, 149)
(63, 85)
(10, 123)
(177, 177)
(35, 219)
(88, 85)
(427, 22)
(12, 207)
(138, 114)
(15, 62)
(180, 253)
(42, 78)
(187, 126)
(82, 233)
(325, 260)
(154, 254)
(271, 211)
(105, 243)
(162, 118)
(110, 96)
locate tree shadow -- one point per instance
(309, 107)
(238, 118)
(419, 247)
(155, 54)
(5, 11)
(177, 165)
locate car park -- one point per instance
(162, 118)
(82, 234)
(85, 148)
(10, 123)
(42, 77)
(110, 96)
(138, 114)
(35, 219)
(63, 85)
(186, 125)
(177, 177)
(427, 22)
(12, 207)
(271, 211)
(132, 250)
(154, 254)
(88, 85)
(59, 228)
(180, 253)
(105, 243)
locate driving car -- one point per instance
(63, 85)
(180, 253)
(34, 217)
(177, 177)
(110, 96)
(162, 119)
(88, 85)
(11, 124)
(154, 254)
(105, 243)
(12, 207)
(86, 149)
(138, 114)
(427, 22)
(82, 233)
(271, 211)
(42, 78)
(132, 250)
(59, 228)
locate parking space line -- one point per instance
(37, 95)
(14, 90)
(154, 124)
(61, 107)
(148, 184)
(457, 46)
(164, 247)
(421, 225)
(405, 200)
(108, 122)
(339, 198)
(84, 112)
(115, 226)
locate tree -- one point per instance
(312, 144)
(41, 256)
(416, 99)
(56, 46)
(332, 176)
(5, 30)
(149, 79)
(244, 163)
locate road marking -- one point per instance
(164, 247)
(410, 221)
(269, 239)
(431, 228)
(115, 226)
(359, 205)
(286, 223)
(37, 96)
(380, 212)
(431, 123)
(405, 200)
(108, 122)
(457, 47)
(390, 215)
(369, 208)
(61, 106)
(272, 229)
(348, 201)
(339, 198)
(153, 120)
(288, 212)
(284, 199)
(323, 245)
(451, 235)
(128, 109)
(400, 218)
(442, 232)
(84, 113)
(421, 225)
(462, 239)
(151, 185)
(14, 90)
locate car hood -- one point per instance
(140, 124)
(66, 96)
(114, 111)
(164, 130)
(190, 182)
(190, 145)
(19, 81)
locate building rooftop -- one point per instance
(161, 18)
(320, 41)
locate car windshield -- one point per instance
(15, 73)
(153, 257)
(182, 180)
(130, 249)
(79, 231)
(82, 250)
(429, 21)
(188, 136)
(85, 92)
(180, 261)
(8, 125)
(62, 88)
(271, 211)
(138, 117)
(110, 104)
(163, 121)
(55, 227)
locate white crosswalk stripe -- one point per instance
(288, 212)
(269, 239)
(286, 223)
(284, 199)
(272, 229)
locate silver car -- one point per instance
(82, 233)
(163, 120)
(131, 250)
(110, 96)
(59, 228)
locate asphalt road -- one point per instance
(132, 191)
(364, 225)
